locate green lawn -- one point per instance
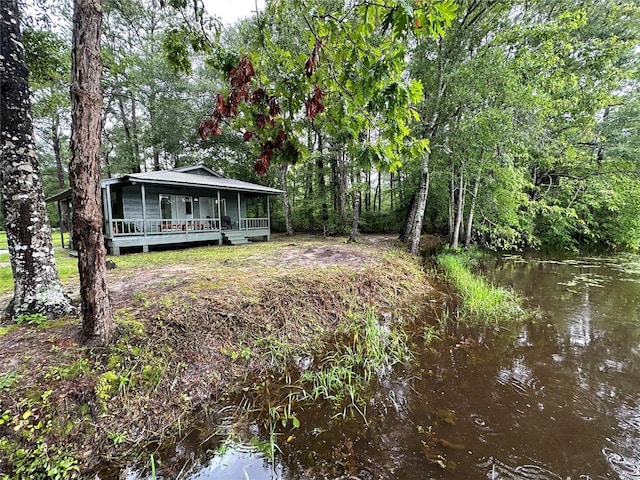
(57, 241)
(67, 266)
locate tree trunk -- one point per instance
(322, 185)
(406, 228)
(455, 238)
(452, 202)
(37, 287)
(379, 193)
(286, 206)
(391, 191)
(57, 149)
(342, 174)
(98, 325)
(472, 208)
(417, 215)
(357, 202)
(414, 221)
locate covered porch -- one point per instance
(179, 207)
(144, 216)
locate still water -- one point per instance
(555, 398)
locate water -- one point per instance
(555, 398)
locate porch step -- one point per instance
(235, 237)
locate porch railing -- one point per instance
(253, 223)
(132, 226)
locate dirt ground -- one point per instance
(300, 251)
(195, 327)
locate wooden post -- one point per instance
(268, 219)
(61, 228)
(239, 222)
(143, 193)
(109, 229)
(219, 213)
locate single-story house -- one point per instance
(181, 206)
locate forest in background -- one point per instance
(516, 125)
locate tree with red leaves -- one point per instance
(266, 109)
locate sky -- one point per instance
(232, 10)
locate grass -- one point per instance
(219, 321)
(67, 265)
(364, 348)
(481, 302)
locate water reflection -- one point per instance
(557, 398)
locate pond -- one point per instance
(555, 398)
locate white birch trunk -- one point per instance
(37, 287)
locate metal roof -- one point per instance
(180, 179)
(172, 177)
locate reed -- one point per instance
(480, 301)
(365, 349)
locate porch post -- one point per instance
(239, 222)
(107, 199)
(60, 222)
(268, 219)
(143, 192)
(219, 213)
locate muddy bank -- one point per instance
(196, 326)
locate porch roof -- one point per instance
(180, 179)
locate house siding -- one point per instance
(132, 199)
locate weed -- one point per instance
(8, 380)
(35, 458)
(35, 319)
(153, 467)
(116, 438)
(141, 298)
(365, 349)
(7, 329)
(243, 354)
(69, 372)
(108, 385)
(430, 333)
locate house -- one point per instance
(181, 206)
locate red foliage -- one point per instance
(242, 74)
(261, 121)
(261, 166)
(267, 109)
(209, 128)
(274, 107)
(248, 135)
(314, 103)
(279, 140)
(259, 94)
(314, 59)
(220, 109)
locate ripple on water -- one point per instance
(511, 470)
(625, 467)
(588, 405)
(482, 424)
(521, 379)
(484, 428)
